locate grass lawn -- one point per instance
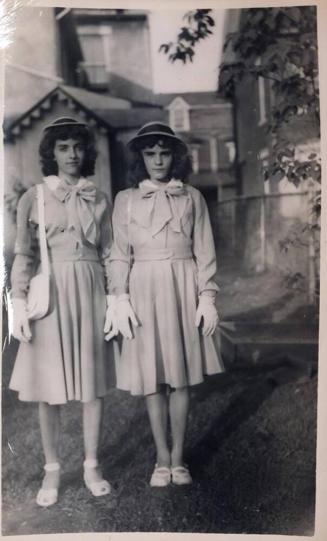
(250, 446)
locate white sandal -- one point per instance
(180, 475)
(160, 476)
(97, 488)
(48, 496)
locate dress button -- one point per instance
(62, 229)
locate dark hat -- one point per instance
(64, 121)
(155, 128)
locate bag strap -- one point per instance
(43, 240)
(129, 214)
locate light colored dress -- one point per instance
(67, 358)
(164, 256)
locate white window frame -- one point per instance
(178, 104)
(195, 159)
(231, 150)
(104, 32)
(214, 154)
(262, 98)
(263, 156)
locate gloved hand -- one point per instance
(125, 316)
(207, 310)
(21, 327)
(110, 327)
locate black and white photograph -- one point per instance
(161, 269)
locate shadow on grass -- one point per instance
(223, 425)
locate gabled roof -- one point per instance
(77, 99)
(93, 100)
(178, 102)
(192, 98)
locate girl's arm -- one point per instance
(120, 252)
(26, 250)
(106, 240)
(204, 247)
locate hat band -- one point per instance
(65, 121)
(158, 128)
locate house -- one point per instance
(205, 122)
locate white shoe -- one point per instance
(48, 496)
(180, 475)
(160, 476)
(97, 488)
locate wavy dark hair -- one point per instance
(181, 165)
(80, 133)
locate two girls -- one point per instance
(160, 274)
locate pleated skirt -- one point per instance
(167, 347)
(68, 358)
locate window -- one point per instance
(263, 157)
(262, 101)
(95, 44)
(261, 97)
(213, 154)
(231, 151)
(195, 159)
(179, 115)
(226, 153)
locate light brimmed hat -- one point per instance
(65, 121)
(155, 128)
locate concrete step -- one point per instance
(258, 342)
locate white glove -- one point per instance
(21, 327)
(207, 310)
(110, 327)
(125, 316)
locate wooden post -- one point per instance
(263, 255)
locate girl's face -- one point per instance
(69, 155)
(157, 161)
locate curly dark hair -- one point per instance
(181, 165)
(79, 133)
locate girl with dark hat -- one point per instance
(162, 272)
(63, 356)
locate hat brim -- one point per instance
(131, 143)
(63, 124)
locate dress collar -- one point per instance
(173, 183)
(53, 181)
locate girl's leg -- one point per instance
(92, 418)
(157, 406)
(50, 427)
(178, 411)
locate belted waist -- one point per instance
(80, 254)
(162, 254)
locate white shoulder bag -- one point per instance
(38, 297)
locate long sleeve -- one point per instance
(120, 252)
(105, 243)
(27, 255)
(204, 246)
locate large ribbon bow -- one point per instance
(163, 208)
(80, 211)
